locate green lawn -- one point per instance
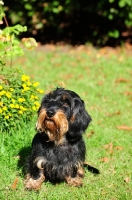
(103, 79)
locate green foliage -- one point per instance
(18, 99)
(18, 95)
(72, 19)
(9, 45)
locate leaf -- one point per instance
(109, 147)
(118, 148)
(127, 180)
(100, 83)
(113, 114)
(128, 93)
(105, 159)
(90, 134)
(124, 127)
(29, 43)
(14, 185)
(121, 80)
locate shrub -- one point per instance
(18, 98)
(94, 21)
(18, 94)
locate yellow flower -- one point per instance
(7, 117)
(1, 103)
(37, 103)
(13, 100)
(16, 106)
(22, 108)
(25, 88)
(35, 97)
(8, 94)
(4, 108)
(40, 91)
(0, 110)
(36, 84)
(21, 100)
(25, 78)
(34, 108)
(20, 112)
(2, 92)
(32, 97)
(11, 89)
(28, 83)
(24, 85)
(1, 87)
(12, 105)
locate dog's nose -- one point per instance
(50, 113)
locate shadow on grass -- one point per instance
(23, 153)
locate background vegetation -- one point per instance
(74, 21)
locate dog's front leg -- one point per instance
(77, 180)
(34, 184)
(35, 177)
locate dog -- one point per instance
(58, 149)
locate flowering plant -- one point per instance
(18, 99)
(18, 95)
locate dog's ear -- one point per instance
(80, 119)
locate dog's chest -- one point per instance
(60, 154)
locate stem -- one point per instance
(6, 22)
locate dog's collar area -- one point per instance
(73, 138)
(47, 140)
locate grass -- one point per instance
(103, 79)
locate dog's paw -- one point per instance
(77, 181)
(33, 184)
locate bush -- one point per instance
(18, 94)
(19, 99)
(75, 21)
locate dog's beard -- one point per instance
(55, 127)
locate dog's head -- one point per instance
(62, 112)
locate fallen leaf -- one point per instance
(100, 82)
(128, 93)
(118, 148)
(112, 114)
(121, 80)
(14, 185)
(124, 127)
(109, 147)
(90, 134)
(105, 159)
(127, 180)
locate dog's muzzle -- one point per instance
(55, 125)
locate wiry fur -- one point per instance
(58, 149)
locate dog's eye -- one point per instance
(65, 104)
(46, 101)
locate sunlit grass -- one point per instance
(103, 79)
